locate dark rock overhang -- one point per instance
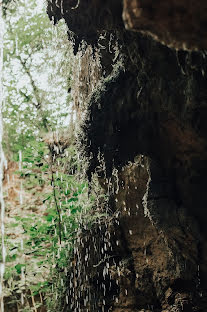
(152, 100)
(87, 19)
(180, 24)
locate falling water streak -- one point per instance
(20, 160)
(2, 163)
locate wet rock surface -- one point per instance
(149, 109)
(177, 23)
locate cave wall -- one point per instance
(179, 24)
(146, 119)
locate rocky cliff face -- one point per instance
(146, 121)
(177, 23)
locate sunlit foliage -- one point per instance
(46, 197)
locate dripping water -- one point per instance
(2, 164)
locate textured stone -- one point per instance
(151, 100)
(180, 24)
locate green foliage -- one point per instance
(41, 232)
(5, 4)
(36, 75)
(37, 35)
(36, 102)
(55, 203)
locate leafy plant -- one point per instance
(50, 202)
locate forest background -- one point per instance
(46, 196)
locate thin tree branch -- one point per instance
(34, 87)
(57, 207)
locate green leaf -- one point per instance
(19, 267)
